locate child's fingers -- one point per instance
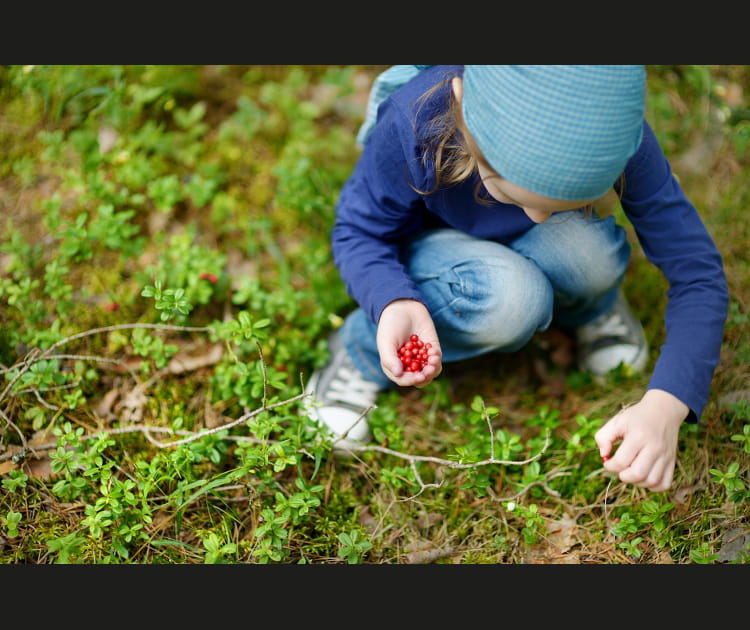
(605, 439)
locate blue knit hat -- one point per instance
(564, 132)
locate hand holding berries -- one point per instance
(398, 322)
(414, 353)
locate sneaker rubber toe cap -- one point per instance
(603, 361)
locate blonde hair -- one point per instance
(451, 147)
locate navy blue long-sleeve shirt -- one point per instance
(378, 208)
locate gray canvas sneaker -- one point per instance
(340, 398)
(612, 338)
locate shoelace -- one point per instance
(349, 387)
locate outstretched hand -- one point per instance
(649, 431)
(398, 321)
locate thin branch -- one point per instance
(449, 462)
(37, 355)
(20, 433)
(244, 418)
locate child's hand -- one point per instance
(649, 431)
(398, 321)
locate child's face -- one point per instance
(537, 207)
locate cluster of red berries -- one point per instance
(211, 277)
(413, 354)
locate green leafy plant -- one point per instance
(732, 480)
(168, 286)
(217, 551)
(352, 546)
(171, 302)
(11, 521)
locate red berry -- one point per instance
(413, 354)
(111, 306)
(211, 277)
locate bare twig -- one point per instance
(243, 418)
(20, 433)
(449, 462)
(37, 355)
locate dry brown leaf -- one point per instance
(184, 362)
(39, 468)
(561, 534)
(131, 406)
(427, 556)
(104, 407)
(7, 466)
(41, 437)
(546, 555)
(562, 352)
(663, 557)
(733, 543)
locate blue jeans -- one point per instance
(488, 297)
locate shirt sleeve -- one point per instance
(675, 239)
(376, 210)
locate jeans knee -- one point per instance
(598, 277)
(581, 256)
(512, 322)
(503, 311)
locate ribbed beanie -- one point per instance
(565, 132)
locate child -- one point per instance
(468, 220)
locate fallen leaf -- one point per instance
(41, 438)
(104, 407)
(36, 467)
(40, 468)
(734, 542)
(550, 556)
(663, 557)
(183, 362)
(561, 533)
(131, 406)
(427, 556)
